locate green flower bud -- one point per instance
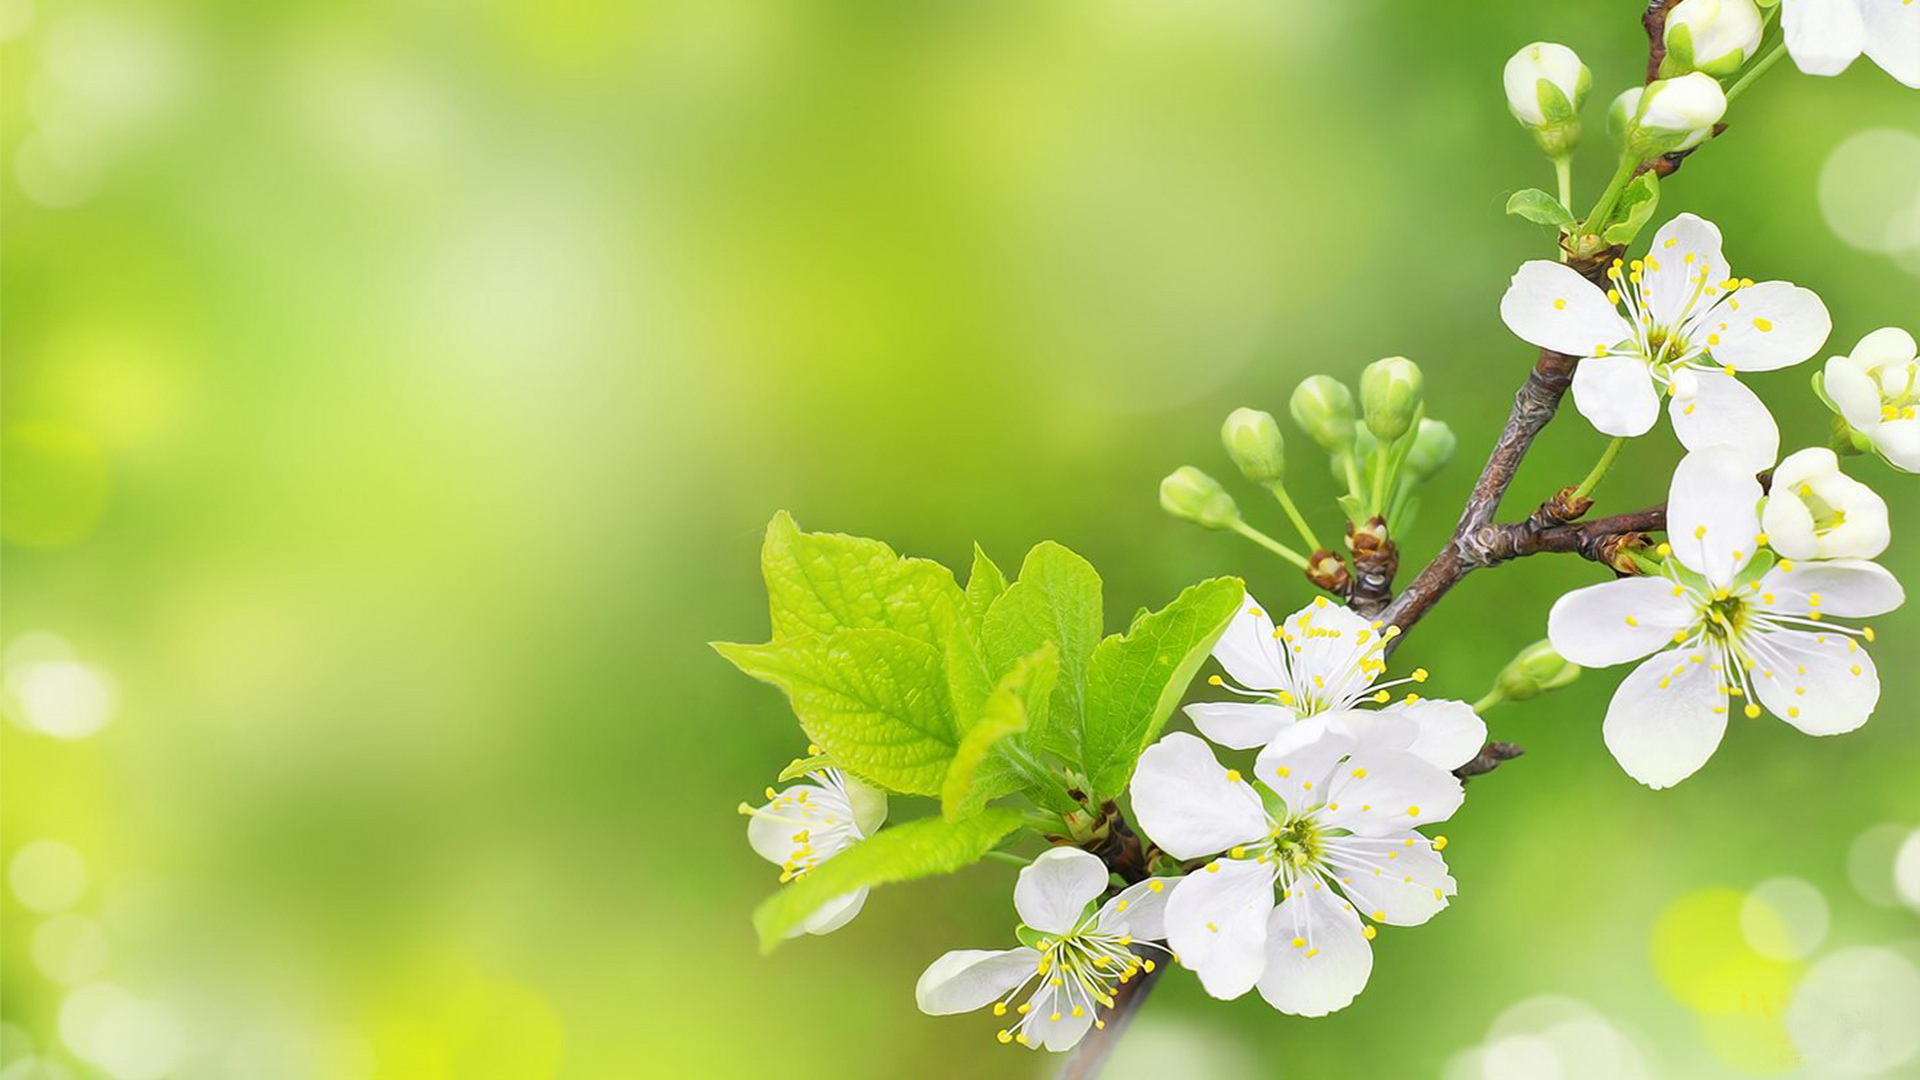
(1546, 85)
(1390, 396)
(1433, 446)
(1253, 441)
(1323, 407)
(1192, 495)
(1533, 671)
(1714, 36)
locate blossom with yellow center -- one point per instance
(810, 822)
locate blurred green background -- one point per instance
(394, 395)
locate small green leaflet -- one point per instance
(873, 700)
(1538, 207)
(1057, 599)
(984, 584)
(920, 848)
(1636, 208)
(1018, 705)
(1134, 681)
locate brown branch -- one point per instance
(1489, 759)
(1655, 22)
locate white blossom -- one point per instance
(1315, 846)
(1073, 955)
(1676, 320)
(1876, 390)
(1326, 660)
(1815, 511)
(1717, 625)
(810, 822)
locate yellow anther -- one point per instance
(1439, 843)
(1299, 943)
(1419, 674)
(1368, 932)
(1360, 774)
(1233, 776)
(1413, 811)
(1215, 680)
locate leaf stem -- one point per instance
(1007, 857)
(1756, 69)
(1293, 514)
(1600, 468)
(1269, 543)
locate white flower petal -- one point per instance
(1889, 345)
(867, 803)
(1318, 959)
(1849, 588)
(1380, 791)
(1397, 879)
(1217, 923)
(1617, 621)
(1053, 890)
(1248, 651)
(1769, 326)
(1713, 517)
(1823, 684)
(1044, 1030)
(1892, 37)
(1685, 252)
(776, 830)
(1184, 800)
(1667, 717)
(1239, 725)
(1325, 645)
(1899, 442)
(833, 914)
(1550, 305)
(1300, 764)
(1388, 726)
(1853, 388)
(969, 979)
(1853, 522)
(1140, 910)
(1616, 395)
(1823, 36)
(1711, 408)
(1450, 732)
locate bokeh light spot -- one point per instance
(47, 876)
(67, 699)
(70, 948)
(1870, 862)
(1906, 871)
(1854, 1014)
(1784, 918)
(1703, 959)
(1868, 186)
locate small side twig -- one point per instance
(1489, 759)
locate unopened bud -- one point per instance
(1390, 396)
(1194, 496)
(1546, 84)
(1433, 446)
(1669, 115)
(1533, 671)
(1253, 441)
(1323, 407)
(1714, 36)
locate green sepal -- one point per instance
(1635, 208)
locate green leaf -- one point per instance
(802, 766)
(984, 584)
(1017, 705)
(1134, 682)
(873, 699)
(916, 849)
(1057, 599)
(1539, 207)
(819, 583)
(1636, 207)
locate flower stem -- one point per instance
(1293, 514)
(1494, 697)
(1380, 471)
(1600, 468)
(1597, 217)
(1269, 543)
(1563, 173)
(1757, 68)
